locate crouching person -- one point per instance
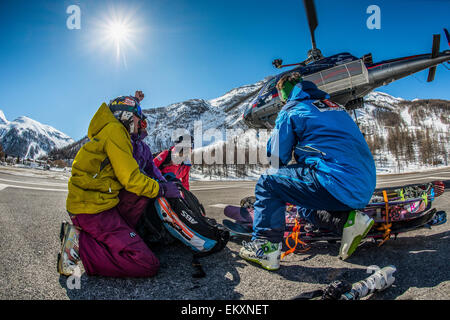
(334, 175)
(107, 195)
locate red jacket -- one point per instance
(181, 171)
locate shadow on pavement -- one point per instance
(421, 262)
(298, 269)
(174, 280)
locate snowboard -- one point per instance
(396, 212)
(404, 203)
(407, 207)
(309, 234)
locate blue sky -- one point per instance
(184, 49)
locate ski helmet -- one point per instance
(286, 84)
(123, 109)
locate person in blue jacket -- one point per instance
(333, 174)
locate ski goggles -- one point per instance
(143, 124)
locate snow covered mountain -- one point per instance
(221, 113)
(403, 135)
(406, 135)
(3, 118)
(27, 138)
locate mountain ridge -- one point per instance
(27, 138)
(400, 132)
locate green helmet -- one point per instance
(286, 84)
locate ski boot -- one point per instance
(69, 256)
(262, 252)
(355, 229)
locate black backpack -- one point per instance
(167, 219)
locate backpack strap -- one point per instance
(221, 233)
(224, 236)
(200, 273)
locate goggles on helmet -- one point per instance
(127, 103)
(143, 124)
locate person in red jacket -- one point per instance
(167, 161)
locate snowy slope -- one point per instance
(27, 138)
(3, 118)
(221, 113)
(396, 129)
(403, 135)
(406, 135)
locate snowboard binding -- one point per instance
(395, 210)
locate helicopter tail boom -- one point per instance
(385, 73)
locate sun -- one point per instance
(116, 32)
(120, 34)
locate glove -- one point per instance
(168, 190)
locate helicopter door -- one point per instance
(341, 78)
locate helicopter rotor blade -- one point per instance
(434, 54)
(312, 19)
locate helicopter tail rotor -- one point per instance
(434, 54)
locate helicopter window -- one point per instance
(335, 74)
(315, 78)
(355, 68)
(272, 83)
(340, 77)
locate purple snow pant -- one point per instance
(109, 245)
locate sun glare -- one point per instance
(117, 32)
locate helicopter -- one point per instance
(346, 78)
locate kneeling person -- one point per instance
(107, 195)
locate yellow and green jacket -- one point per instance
(104, 166)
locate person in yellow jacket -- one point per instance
(107, 195)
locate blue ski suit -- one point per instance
(334, 168)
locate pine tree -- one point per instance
(2, 153)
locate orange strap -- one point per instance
(294, 236)
(386, 226)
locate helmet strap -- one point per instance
(131, 127)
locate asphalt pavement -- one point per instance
(32, 206)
